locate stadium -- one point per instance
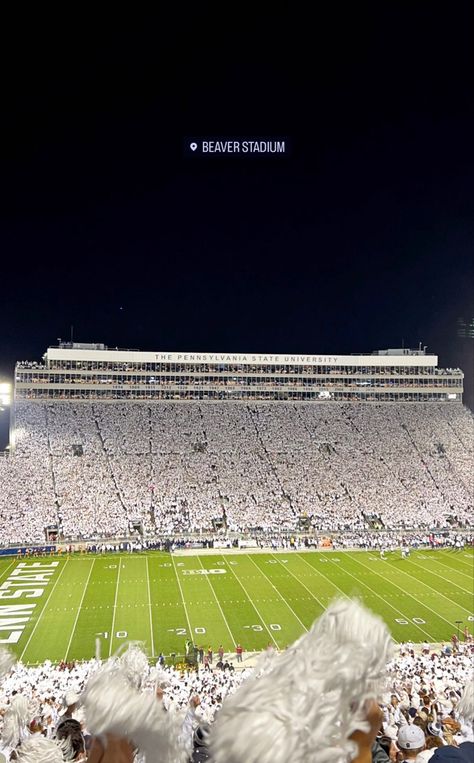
(236, 497)
(211, 507)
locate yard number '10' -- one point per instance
(119, 634)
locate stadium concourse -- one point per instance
(95, 469)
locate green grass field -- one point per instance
(253, 599)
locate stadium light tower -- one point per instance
(5, 393)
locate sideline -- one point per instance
(249, 550)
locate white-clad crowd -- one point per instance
(178, 467)
(410, 676)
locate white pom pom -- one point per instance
(465, 706)
(134, 665)
(310, 699)
(6, 661)
(39, 750)
(14, 722)
(112, 706)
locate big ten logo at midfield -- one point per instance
(204, 572)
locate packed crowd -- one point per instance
(185, 467)
(420, 701)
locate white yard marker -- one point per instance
(149, 605)
(6, 570)
(255, 608)
(278, 592)
(79, 610)
(44, 608)
(318, 572)
(182, 598)
(420, 603)
(115, 609)
(405, 617)
(233, 641)
(456, 585)
(457, 555)
(301, 583)
(387, 603)
(453, 569)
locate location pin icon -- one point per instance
(193, 146)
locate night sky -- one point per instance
(359, 238)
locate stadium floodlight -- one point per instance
(5, 393)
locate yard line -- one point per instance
(232, 639)
(78, 611)
(453, 569)
(278, 592)
(301, 582)
(318, 572)
(115, 606)
(149, 604)
(44, 608)
(408, 594)
(438, 576)
(182, 597)
(253, 605)
(381, 597)
(456, 555)
(6, 570)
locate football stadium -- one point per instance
(197, 520)
(237, 384)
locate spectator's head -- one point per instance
(452, 727)
(433, 742)
(449, 754)
(411, 740)
(201, 735)
(434, 729)
(421, 722)
(36, 726)
(69, 733)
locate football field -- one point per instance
(56, 608)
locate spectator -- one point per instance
(411, 741)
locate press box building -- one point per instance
(75, 371)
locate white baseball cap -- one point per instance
(410, 738)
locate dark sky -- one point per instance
(362, 236)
